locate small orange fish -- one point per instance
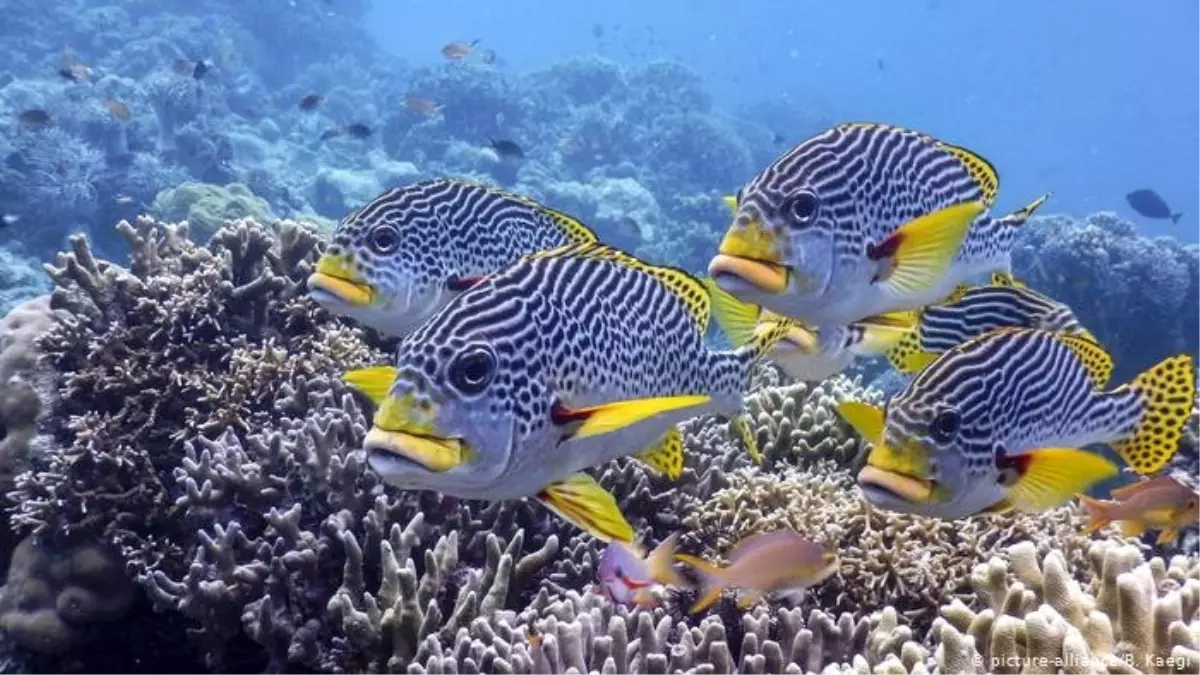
(458, 49)
(1159, 503)
(781, 562)
(422, 105)
(118, 109)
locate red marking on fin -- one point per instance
(462, 283)
(562, 415)
(886, 248)
(633, 583)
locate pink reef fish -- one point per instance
(628, 576)
(1160, 503)
(781, 562)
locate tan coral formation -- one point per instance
(912, 563)
(798, 425)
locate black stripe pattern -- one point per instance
(869, 179)
(1013, 391)
(444, 229)
(581, 325)
(984, 309)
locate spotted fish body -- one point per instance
(993, 424)
(811, 357)
(974, 311)
(861, 220)
(522, 374)
(396, 261)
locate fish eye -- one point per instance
(473, 369)
(384, 239)
(803, 207)
(945, 426)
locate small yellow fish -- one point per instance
(1159, 503)
(781, 562)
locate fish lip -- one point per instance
(762, 275)
(434, 454)
(325, 287)
(895, 485)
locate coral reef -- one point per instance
(206, 207)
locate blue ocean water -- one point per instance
(1089, 99)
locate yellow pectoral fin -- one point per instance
(1167, 536)
(582, 502)
(736, 319)
(373, 382)
(730, 202)
(1051, 476)
(923, 249)
(666, 457)
(748, 599)
(866, 419)
(610, 417)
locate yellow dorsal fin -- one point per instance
(610, 417)
(576, 231)
(1167, 390)
(582, 502)
(741, 427)
(1095, 360)
(866, 419)
(374, 382)
(736, 319)
(1051, 476)
(918, 253)
(730, 202)
(981, 171)
(667, 456)
(693, 294)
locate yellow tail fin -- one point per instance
(921, 250)
(907, 357)
(1168, 391)
(882, 333)
(374, 382)
(712, 583)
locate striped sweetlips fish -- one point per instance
(971, 311)
(563, 361)
(861, 220)
(996, 423)
(396, 261)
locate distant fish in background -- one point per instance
(311, 102)
(332, 132)
(629, 228)
(488, 57)
(72, 69)
(34, 118)
(123, 200)
(778, 138)
(422, 105)
(879, 64)
(9, 219)
(458, 49)
(193, 69)
(1148, 203)
(118, 109)
(597, 30)
(358, 130)
(507, 149)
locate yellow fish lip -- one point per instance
(353, 293)
(798, 340)
(433, 453)
(766, 276)
(910, 488)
